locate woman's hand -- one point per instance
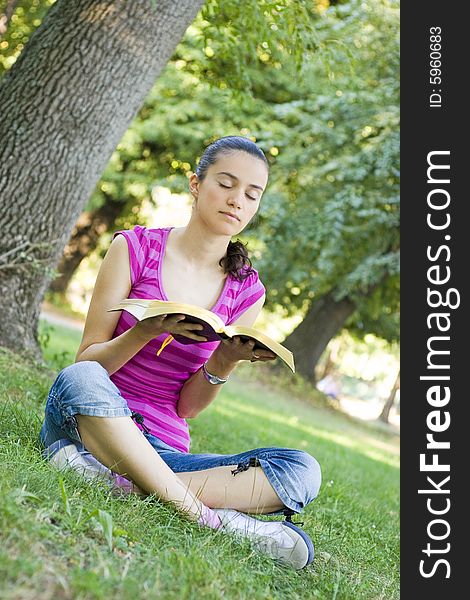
(234, 349)
(154, 326)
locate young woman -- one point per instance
(121, 409)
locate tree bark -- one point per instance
(322, 322)
(84, 239)
(385, 414)
(66, 103)
(331, 358)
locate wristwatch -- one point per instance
(213, 379)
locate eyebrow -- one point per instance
(235, 177)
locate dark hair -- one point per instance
(236, 259)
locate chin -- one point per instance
(226, 228)
(229, 231)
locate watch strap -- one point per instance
(211, 378)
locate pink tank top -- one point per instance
(152, 384)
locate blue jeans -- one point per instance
(85, 388)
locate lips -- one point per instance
(230, 215)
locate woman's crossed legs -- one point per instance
(264, 480)
(249, 491)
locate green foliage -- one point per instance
(241, 38)
(335, 214)
(65, 499)
(27, 16)
(59, 344)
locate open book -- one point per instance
(214, 327)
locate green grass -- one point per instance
(64, 538)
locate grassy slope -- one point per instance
(53, 547)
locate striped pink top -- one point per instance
(151, 384)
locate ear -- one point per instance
(194, 185)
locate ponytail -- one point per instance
(236, 260)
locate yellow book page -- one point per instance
(142, 308)
(281, 351)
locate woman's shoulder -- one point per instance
(248, 285)
(144, 236)
(249, 276)
(144, 245)
(244, 293)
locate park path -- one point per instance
(51, 315)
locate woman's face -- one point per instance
(233, 184)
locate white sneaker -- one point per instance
(64, 453)
(279, 539)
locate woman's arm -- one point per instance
(197, 393)
(112, 285)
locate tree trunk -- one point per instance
(384, 415)
(85, 236)
(331, 358)
(322, 322)
(66, 103)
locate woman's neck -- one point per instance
(201, 248)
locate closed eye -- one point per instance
(228, 187)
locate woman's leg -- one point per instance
(119, 444)
(260, 481)
(85, 406)
(248, 492)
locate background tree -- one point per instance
(385, 414)
(205, 89)
(64, 113)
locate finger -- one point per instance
(174, 318)
(185, 329)
(259, 355)
(193, 336)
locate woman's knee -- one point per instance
(85, 388)
(299, 472)
(82, 374)
(82, 379)
(312, 471)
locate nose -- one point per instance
(235, 198)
